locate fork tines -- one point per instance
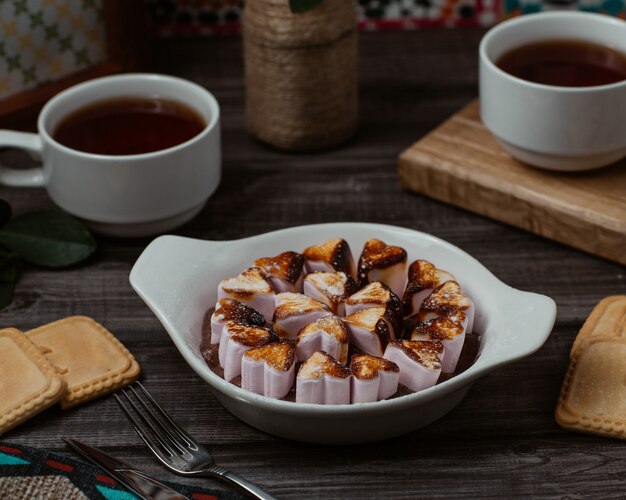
(155, 427)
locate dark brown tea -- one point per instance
(565, 63)
(129, 126)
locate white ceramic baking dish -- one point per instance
(177, 278)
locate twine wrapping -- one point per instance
(301, 73)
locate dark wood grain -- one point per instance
(500, 442)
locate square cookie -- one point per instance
(608, 318)
(87, 356)
(28, 381)
(593, 394)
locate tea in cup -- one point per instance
(131, 155)
(553, 89)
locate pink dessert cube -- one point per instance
(236, 340)
(376, 294)
(419, 362)
(294, 311)
(423, 278)
(327, 334)
(333, 255)
(269, 370)
(331, 289)
(450, 331)
(285, 271)
(373, 378)
(252, 287)
(232, 310)
(369, 330)
(384, 263)
(322, 380)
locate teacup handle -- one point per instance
(31, 143)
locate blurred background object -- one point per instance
(49, 45)
(301, 74)
(205, 17)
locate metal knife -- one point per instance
(142, 485)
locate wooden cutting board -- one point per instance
(461, 163)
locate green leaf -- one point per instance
(48, 238)
(298, 6)
(8, 278)
(5, 212)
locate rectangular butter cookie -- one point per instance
(28, 381)
(87, 356)
(608, 318)
(593, 394)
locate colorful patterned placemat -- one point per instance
(206, 17)
(33, 473)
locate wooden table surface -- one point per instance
(501, 441)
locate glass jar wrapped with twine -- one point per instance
(301, 73)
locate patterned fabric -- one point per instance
(44, 40)
(39, 474)
(203, 17)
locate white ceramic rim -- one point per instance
(243, 396)
(211, 101)
(533, 18)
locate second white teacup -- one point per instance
(554, 127)
(129, 195)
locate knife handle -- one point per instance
(241, 483)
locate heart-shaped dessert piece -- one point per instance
(327, 334)
(369, 330)
(285, 271)
(419, 362)
(423, 278)
(232, 310)
(450, 331)
(373, 378)
(333, 255)
(331, 289)
(236, 340)
(323, 380)
(269, 370)
(294, 311)
(253, 288)
(446, 299)
(384, 263)
(376, 294)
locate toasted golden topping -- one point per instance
(233, 310)
(378, 255)
(279, 355)
(367, 318)
(295, 304)
(373, 320)
(330, 325)
(286, 266)
(373, 293)
(335, 252)
(335, 286)
(441, 328)
(422, 275)
(365, 367)
(250, 336)
(252, 280)
(320, 364)
(425, 352)
(446, 298)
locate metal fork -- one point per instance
(174, 447)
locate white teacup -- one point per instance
(133, 195)
(558, 128)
